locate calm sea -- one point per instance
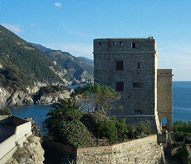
(181, 105)
(182, 100)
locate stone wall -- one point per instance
(140, 151)
(164, 96)
(135, 100)
(139, 76)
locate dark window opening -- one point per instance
(119, 86)
(119, 65)
(138, 111)
(114, 43)
(138, 65)
(121, 43)
(100, 43)
(132, 45)
(109, 44)
(138, 85)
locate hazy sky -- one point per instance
(71, 25)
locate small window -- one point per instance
(114, 43)
(119, 65)
(119, 86)
(138, 85)
(121, 43)
(138, 65)
(109, 44)
(100, 43)
(138, 111)
(132, 45)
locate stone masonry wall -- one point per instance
(135, 100)
(164, 96)
(139, 76)
(140, 151)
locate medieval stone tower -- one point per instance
(129, 66)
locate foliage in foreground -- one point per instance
(5, 111)
(182, 138)
(103, 96)
(67, 124)
(182, 131)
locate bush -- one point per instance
(142, 130)
(182, 155)
(182, 131)
(92, 121)
(108, 129)
(122, 131)
(103, 127)
(5, 111)
(131, 131)
(74, 133)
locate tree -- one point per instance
(84, 95)
(122, 130)
(102, 96)
(64, 109)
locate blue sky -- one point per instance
(71, 25)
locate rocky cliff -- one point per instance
(14, 97)
(31, 152)
(52, 98)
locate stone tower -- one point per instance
(129, 66)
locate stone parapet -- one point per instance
(139, 151)
(22, 132)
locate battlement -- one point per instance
(125, 45)
(164, 72)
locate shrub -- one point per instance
(131, 131)
(182, 155)
(122, 131)
(92, 121)
(108, 130)
(74, 133)
(143, 130)
(182, 131)
(5, 111)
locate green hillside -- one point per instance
(79, 68)
(21, 64)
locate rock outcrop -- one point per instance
(31, 152)
(52, 98)
(14, 97)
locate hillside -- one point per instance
(89, 61)
(21, 65)
(79, 67)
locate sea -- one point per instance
(181, 105)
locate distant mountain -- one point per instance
(21, 65)
(80, 68)
(89, 61)
(41, 48)
(25, 67)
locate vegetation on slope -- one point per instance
(68, 124)
(21, 64)
(79, 68)
(180, 150)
